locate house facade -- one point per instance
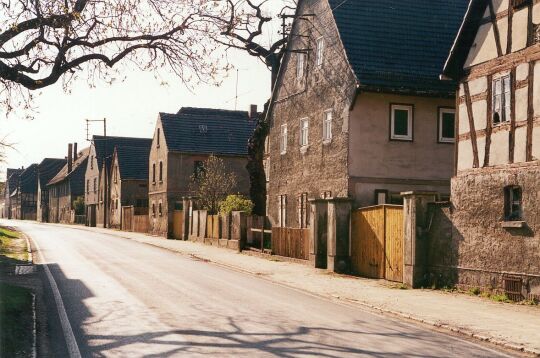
(129, 181)
(24, 201)
(97, 176)
(67, 186)
(358, 109)
(47, 169)
(12, 180)
(181, 144)
(496, 187)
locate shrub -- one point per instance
(236, 203)
(78, 205)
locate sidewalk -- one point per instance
(509, 325)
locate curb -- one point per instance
(351, 302)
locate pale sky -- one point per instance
(131, 109)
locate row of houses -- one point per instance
(373, 99)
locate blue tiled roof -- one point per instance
(206, 130)
(133, 161)
(48, 168)
(105, 146)
(399, 45)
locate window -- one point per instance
(283, 139)
(154, 173)
(87, 186)
(447, 118)
(198, 168)
(115, 173)
(153, 209)
(501, 99)
(303, 213)
(91, 162)
(518, 4)
(160, 209)
(326, 194)
(512, 203)
(158, 135)
(381, 196)
(304, 132)
(266, 166)
(327, 125)
(203, 128)
(95, 185)
(282, 208)
(300, 57)
(401, 122)
(160, 172)
(320, 51)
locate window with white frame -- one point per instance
(282, 210)
(300, 59)
(283, 139)
(327, 125)
(319, 56)
(401, 122)
(447, 119)
(304, 132)
(501, 99)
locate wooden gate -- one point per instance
(127, 218)
(377, 242)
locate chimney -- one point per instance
(253, 111)
(75, 151)
(70, 158)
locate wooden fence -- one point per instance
(135, 219)
(290, 242)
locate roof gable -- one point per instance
(206, 130)
(453, 67)
(399, 45)
(78, 165)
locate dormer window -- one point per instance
(501, 100)
(203, 128)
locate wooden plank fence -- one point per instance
(290, 242)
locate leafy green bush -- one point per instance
(78, 205)
(236, 203)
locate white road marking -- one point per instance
(71, 342)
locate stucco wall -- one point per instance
(377, 162)
(320, 166)
(476, 251)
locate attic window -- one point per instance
(518, 4)
(203, 128)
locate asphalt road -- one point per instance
(127, 299)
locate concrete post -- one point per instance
(318, 233)
(238, 230)
(203, 219)
(339, 223)
(186, 207)
(415, 206)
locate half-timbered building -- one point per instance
(496, 187)
(47, 169)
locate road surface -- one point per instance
(127, 299)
